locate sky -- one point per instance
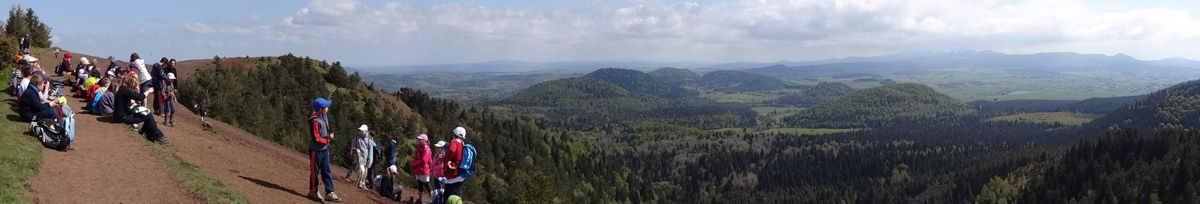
(409, 32)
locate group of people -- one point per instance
(441, 173)
(38, 101)
(123, 93)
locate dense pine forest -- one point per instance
(592, 140)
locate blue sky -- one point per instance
(375, 32)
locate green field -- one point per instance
(1062, 118)
(800, 131)
(20, 154)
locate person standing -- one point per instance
(454, 157)
(168, 100)
(420, 165)
(437, 173)
(360, 151)
(24, 44)
(387, 185)
(318, 151)
(156, 80)
(139, 67)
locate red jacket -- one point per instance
(91, 92)
(421, 160)
(454, 157)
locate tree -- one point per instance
(38, 32)
(16, 25)
(23, 22)
(997, 191)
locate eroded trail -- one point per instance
(114, 165)
(261, 170)
(111, 164)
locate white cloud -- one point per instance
(198, 27)
(761, 30)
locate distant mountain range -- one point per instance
(899, 60)
(1040, 63)
(512, 66)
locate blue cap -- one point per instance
(321, 103)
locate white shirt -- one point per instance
(24, 84)
(143, 73)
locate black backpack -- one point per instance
(52, 134)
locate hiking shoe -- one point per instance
(315, 196)
(332, 197)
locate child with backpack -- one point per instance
(459, 163)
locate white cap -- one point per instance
(30, 58)
(84, 60)
(460, 132)
(170, 75)
(363, 127)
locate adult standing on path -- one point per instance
(318, 151)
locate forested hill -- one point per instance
(1176, 105)
(734, 81)
(580, 93)
(270, 97)
(1150, 153)
(639, 82)
(869, 107)
(675, 76)
(822, 92)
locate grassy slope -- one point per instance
(20, 154)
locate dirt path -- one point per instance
(261, 170)
(110, 165)
(113, 166)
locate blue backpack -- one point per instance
(467, 166)
(94, 106)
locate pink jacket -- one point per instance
(421, 161)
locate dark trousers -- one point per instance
(149, 127)
(46, 113)
(319, 166)
(452, 189)
(157, 106)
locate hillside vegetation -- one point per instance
(822, 92)
(737, 81)
(580, 93)
(639, 82)
(873, 106)
(675, 76)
